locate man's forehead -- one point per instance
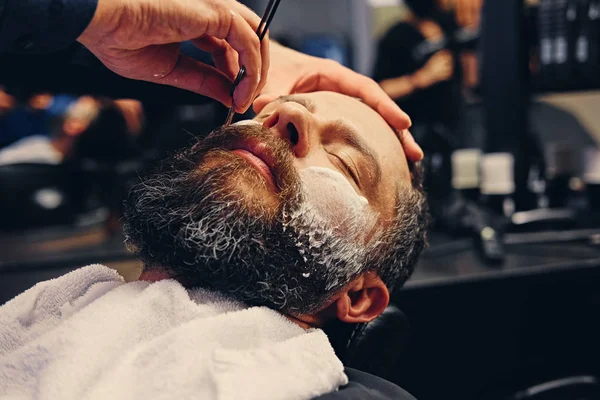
(308, 100)
(371, 128)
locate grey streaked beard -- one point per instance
(201, 228)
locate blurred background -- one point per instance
(505, 100)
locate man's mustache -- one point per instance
(227, 138)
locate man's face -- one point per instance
(329, 131)
(277, 211)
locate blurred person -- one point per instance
(467, 15)
(423, 82)
(107, 138)
(7, 102)
(133, 112)
(468, 12)
(90, 128)
(252, 239)
(40, 101)
(140, 39)
(7, 106)
(28, 115)
(55, 105)
(53, 148)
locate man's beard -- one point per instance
(206, 218)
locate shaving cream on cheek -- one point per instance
(330, 197)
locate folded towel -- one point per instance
(90, 335)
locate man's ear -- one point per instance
(363, 300)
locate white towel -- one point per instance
(90, 335)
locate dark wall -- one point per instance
(478, 341)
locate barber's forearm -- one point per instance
(407, 84)
(41, 26)
(398, 87)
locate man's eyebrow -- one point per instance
(349, 135)
(306, 103)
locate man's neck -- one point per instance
(304, 321)
(154, 276)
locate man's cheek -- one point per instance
(331, 199)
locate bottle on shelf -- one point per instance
(587, 45)
(546, 18)
(465, 173)
(566, 15)
(498, 183)
(574, 19)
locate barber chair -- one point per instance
(581, 387)
(569, 387)
(372, 347)
(35, 195)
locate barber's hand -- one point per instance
(139, 39)
(294, 72)
(440, 67)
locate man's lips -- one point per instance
(260, 157)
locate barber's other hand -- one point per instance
(139, 39)
(294, 72)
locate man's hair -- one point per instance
(395, 252)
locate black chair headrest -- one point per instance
(372, 347)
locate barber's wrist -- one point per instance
(90, 34)
(410, 84)
(398, 87)
(419, 80)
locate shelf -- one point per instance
(548, 93)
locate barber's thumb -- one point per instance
(262, 100)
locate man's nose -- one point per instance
(295, 124)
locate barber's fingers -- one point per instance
(262, 101)
(189, 74)
(412, 150)
(265, 47)
(240, 35)
(224, 56)
(334, 77)
(226, 59)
